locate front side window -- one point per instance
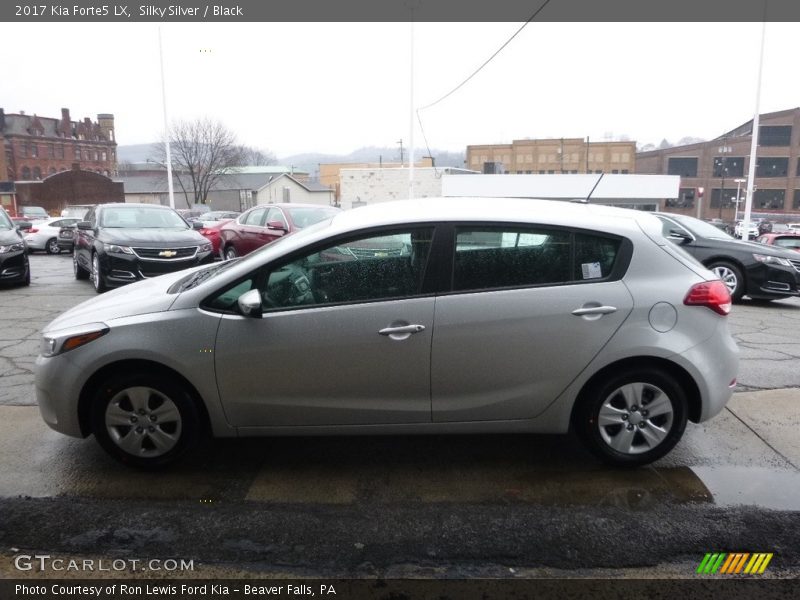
(492, 258)
(255, 217)
(388, 266)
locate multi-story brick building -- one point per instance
(550, 156)
(35, 147)
(720, 168)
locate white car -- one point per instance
(751, 228)
(43, 235)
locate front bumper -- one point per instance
(773, 281)
(121, 269)
(14, 267)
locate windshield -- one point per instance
(141, 217)
(33, 211)
(305, 216)
(701, 228)
(5, 222)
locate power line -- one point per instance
(488, 60)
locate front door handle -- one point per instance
(409, 329)
(594, 310)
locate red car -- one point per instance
(265, 223)
(212, 221)
(788, 240)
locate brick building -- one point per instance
(35, 147)
(551, 156)
(720, 168)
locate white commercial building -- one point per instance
(368, 186)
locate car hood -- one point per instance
(9, 236)
(160, 238)
(142, 297)
(753, 247)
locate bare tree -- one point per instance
(203, 151)
(256, 157)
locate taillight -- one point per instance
(713, 294)
(33, 230)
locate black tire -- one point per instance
(731, 276)
(655, 385)
(145, 442)
(52, 247)
(27, 280)
(98, 277)
(230, 253)
(77, 269)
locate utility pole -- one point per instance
(400, 141)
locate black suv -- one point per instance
(14, 267)
(747, 268)
(120, 243)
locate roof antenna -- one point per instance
(596, 183)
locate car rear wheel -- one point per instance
(632, 418)
(230, 253)
(77, 269)
(98, 277)
(52, 246)
(144, 420)
(731, 276)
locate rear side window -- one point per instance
(492, 258)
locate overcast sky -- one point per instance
(335, 87)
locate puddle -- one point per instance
(756, 486)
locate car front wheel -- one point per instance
(632, 418)
(731, 276)
(98, 277)
(144, 420)
(77, 269)
(230, 253)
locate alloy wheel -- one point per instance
(635, 418)
(727, 276)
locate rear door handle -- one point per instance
(594, 310)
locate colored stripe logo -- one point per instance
(734, 563)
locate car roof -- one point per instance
(509, 210)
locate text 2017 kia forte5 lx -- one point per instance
(533, 316)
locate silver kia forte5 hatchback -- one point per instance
(425, 316)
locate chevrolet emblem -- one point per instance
(167, 253)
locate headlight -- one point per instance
(205, 248)
(12, 248)
(64, 341)
(119, 249)
(772, 260)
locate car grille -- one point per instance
(795, 264)
(166, 254)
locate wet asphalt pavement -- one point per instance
(458, 506)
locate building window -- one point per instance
(772, 167)
(774, 135)
(60, 152)
(728, 197)
(23, 150)
(34, 151)
(685, 167)
(624, 171)
(51, 151)
(728, 166)
(796, 202)
(104, 155)
(77, 153)
(685, 199)
(26, 173)
(615, 171)
(113, 155)
(798, 167)
(769, 199)
(37, 173)
(96, 155)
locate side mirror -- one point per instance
(250, 304)
(679, 236)
(197, 225)
(278, 225)
(23, 225)
(85, 225)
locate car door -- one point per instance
(529, 309)
(84, 241)
(342, 340)
(248, 230)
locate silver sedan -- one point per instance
(425, 316)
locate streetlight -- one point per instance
(739, 183)
(723, 167)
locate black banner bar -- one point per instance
(401, 10)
